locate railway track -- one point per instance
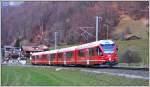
(132, 68)
(122, 68)
(106, 67)
(88, 67)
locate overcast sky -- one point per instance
(11, 3)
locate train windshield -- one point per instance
(108, 48)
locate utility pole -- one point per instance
(97, 17)
(56, 40)
(96, 28)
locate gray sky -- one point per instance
(11, 3)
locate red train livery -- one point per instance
(94, 53)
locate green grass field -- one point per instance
(17, 76)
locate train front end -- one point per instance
(109, 50)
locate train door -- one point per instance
(33, 60)
(99, 55)
(44, 59)
(87, 57)
(81, 56)
(37, 59)
(98, 51)
(52, 59)
(64, 58)
(48, 58)
(95, 54)
(91, 55)
(60, 58)
(69, 57)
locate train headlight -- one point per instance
(109, 59)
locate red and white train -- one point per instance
(94, 53)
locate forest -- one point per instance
(36, 22)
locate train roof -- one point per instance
(106, 42)
(67, 49)
(45, 52)
(96, 43)
(87, 45)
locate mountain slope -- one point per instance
(37, 21)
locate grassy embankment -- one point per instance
(138, 28)
(141, 45)
(49, 76)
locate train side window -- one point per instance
(60, 55)
(69, 54)
(33, 57)
(98, 51)
(91, 51)
(52, 56)
(44, 56)
(81, 53)
(37, 56)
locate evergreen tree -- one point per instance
(17, 44)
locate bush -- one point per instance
(130, 55)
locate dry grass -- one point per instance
(137, 27)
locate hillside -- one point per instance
(136, 27)
(37, 21)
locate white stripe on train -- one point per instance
(71, 61)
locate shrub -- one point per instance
(130, 55)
